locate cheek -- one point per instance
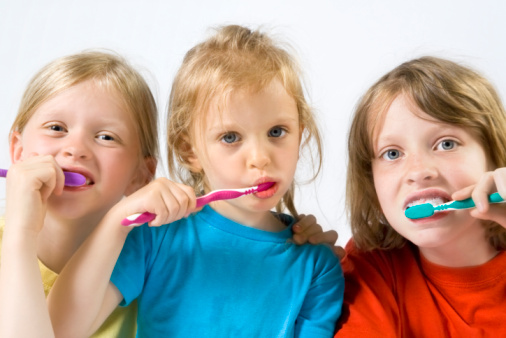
(40, 146)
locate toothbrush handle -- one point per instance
(495, 198)
(71, 179)
(469, 203)
(217, 196)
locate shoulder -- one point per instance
(379, 259)
(380, 269)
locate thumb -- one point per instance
(495, 213)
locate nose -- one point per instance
(76, 147)
(421, 168)
(258, 155)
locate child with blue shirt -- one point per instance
(238, 117)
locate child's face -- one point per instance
(420, 160)
(255, 139)
(86, 129)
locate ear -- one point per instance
(189, 155)
(301, 132)
(145, 174)
(193, 161)
(15, 146)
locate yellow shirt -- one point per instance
(121, 323)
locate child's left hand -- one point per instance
(306, 230)
(490, 182)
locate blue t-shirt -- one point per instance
(208, 276)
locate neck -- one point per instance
(462, 253)
(60, 238)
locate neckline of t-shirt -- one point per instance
(218, 221)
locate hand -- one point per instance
(30, 182)
(490, 182)
(306, 230)
(169, 200)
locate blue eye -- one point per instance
(391, 154)
(446, 145)
(276, 132)
(230, 138)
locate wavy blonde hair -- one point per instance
(234, 58)
(107, 69)
(444, 90)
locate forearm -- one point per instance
(23, 307)
(81, 298)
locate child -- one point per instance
(89, 113)
(429, 131)
(237, 118)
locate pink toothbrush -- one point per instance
(71, 179)
(216, 195)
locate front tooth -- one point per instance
(435, 201)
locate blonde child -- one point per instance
(90, 113)
(238, 117)
(429, 131)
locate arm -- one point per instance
(323, 302)
(22, 298)
(370, 308)
(83, 296)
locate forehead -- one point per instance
(87, 100)
(392, 111)
(265, 103)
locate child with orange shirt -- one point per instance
(429, 131)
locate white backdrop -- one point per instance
(344, 46)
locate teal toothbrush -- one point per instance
(427, 209)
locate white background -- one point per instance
(344, 46)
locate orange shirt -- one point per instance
(398, 293)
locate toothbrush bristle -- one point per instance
(263, 186)
(419, 211)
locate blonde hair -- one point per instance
(107, 69)
(234, 58)
(442, 89)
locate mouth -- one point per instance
(435, 201)
(88, 177)
(269, 191)
(433, 196)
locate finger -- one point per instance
(500, 181)
(327, 237)
(462, 194)
(303, 235)
(339, 251)
(495, 213)
(49, 174)
(178, 199)
(304, 222)
(484, 187)
(59, 177)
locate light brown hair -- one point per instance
(443, 89)
(234, 58)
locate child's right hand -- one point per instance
(490, 182)
(29, 184)
(168, 200)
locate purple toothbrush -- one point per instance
(71, 179)
(216, 195)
